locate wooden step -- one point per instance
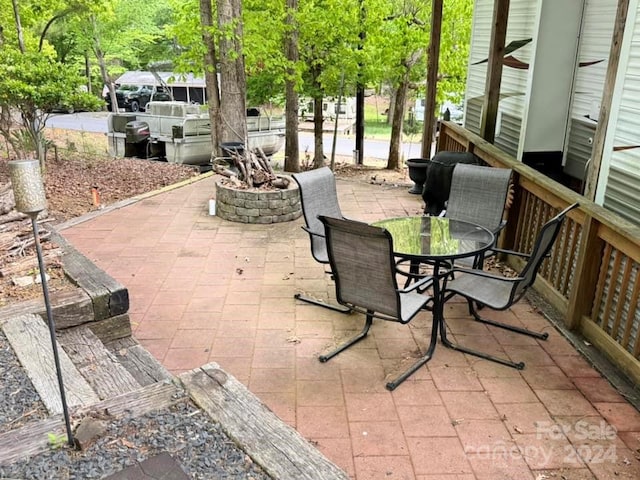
(110, 298)
(32, 438)
(279, 449)
(100, 368)
(29, 337)
(69, 308)
(138, 361)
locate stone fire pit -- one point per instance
(258, 206)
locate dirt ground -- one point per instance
(81, 178)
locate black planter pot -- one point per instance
(417, 173)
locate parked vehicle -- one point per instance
(180, 132)
(136, 97)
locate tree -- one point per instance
(328, 40)
(33, 84)
(406, 31)
(210, 72)
(233, 107)
(292, 147)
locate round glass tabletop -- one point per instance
(436, 237)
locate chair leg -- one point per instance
(313, 301)
(424, 359)
(326, 357)
(476, 353)
(512, 328)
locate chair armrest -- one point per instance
(317, 234)
(311, 232)
(484, 274)
(423, 283)
(509, 252)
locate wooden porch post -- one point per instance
(591, 182)
(432, 78)
(494, 70)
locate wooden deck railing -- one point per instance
(593, 274)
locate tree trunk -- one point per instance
(318, 123)
(97, 50)
(360, 92)
(233, 105)
(392, 106)
(87, 71)
(396, 128)
(292, 147)
(210, 75)
(16, 17)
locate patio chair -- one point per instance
(363, 264)
(437, 185)
(478, 195)
(499, 293)
(318, 196)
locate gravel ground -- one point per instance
(203, 450)
(19, 402)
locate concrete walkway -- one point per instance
(203, 289)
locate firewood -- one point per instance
(265, 161)
(254, 169)
(280, 182)
(224, 171)
(260, 177)
(248, 167)
(12, 217)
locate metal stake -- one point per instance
(30, 197)
(52, 328)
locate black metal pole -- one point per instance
(52, 328)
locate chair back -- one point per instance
(362, 262)
(318, 196)
(545, 240)
(437, 185)
(478, 194)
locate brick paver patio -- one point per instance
(203, 289)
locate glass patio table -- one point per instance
(436, 241)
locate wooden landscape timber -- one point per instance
(110, 298)
(29, 338)
(279, 449)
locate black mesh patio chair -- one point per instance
(318, 196)
(363, 264)
(499, 293)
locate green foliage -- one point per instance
(454, 50)
(185, 29)
(56, 441)
(264, 33)
(34, 84)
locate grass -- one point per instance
(375, 122)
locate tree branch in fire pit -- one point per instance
(253, 170)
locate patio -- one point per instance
(203, 289)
